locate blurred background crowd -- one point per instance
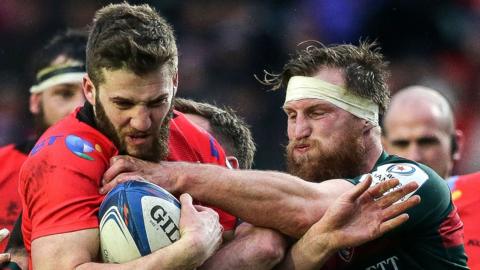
(223, 44)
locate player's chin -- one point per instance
(141, 152)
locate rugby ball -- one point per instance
(137, 218)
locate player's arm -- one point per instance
(357, 216)
(264, 198)
(252, 248)
(200, 237)
(4, 257)
(16, 247)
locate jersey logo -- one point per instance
(402, 169)
(213, 149)
(44, 143)
(81, 147)
(404, 172)
(346, 254)
(456, 194)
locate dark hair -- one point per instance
(365, 69)
(133, 37)
(70, 43)
(229, 129)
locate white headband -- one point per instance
(71, 73)
(72, 78)
(300, 87)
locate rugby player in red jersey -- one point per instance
(59, 69)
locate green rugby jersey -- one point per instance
(432, 238)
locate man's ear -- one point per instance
(89, 89)
(457, 143)
(35, 103)
(233, 162)
(367, 126)
(175, 83)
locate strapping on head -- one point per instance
(301, 87)
(71, 73)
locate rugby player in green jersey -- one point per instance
(333, 100)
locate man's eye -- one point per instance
(400, 144)
(428, 141)
(291, 116)
(316, 114)
(158, 103)
(124, 105)
(65, 94)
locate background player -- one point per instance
(419, 125)
(59, 68)
(235, 136)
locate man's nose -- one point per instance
(302, 128)
(414, 153)
(141, 119)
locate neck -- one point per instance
(373, 149)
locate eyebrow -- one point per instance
(311, 108)
(421, 140)
(117, 99)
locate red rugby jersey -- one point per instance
(466, 196)
(59, 181)
(12, 157)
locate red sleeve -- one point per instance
(60, 182)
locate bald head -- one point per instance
(419, 125)
(416, 103)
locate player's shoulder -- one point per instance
(7, 149)
(180, 123)
(187, 139)
(471, 180)
(431, 187)
(404, 170)
(72, 136)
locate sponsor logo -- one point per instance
(346, 254)
(81, 147)
(44, 143)
(402, 169)
(389, 263)
(473, 242)
(160, 216)
(213, 149)
(456, 195)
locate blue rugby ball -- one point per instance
(137, 218)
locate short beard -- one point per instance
(156, 152)
(346, 160)
(40, 125)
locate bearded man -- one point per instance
(333, 101)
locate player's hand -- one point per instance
(123, 168)
(363, 213)
(4, 257)
(200, 226)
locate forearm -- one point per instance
(307, 253)
(79, 250)
(263, 198)
(252, 248)
(180, 255)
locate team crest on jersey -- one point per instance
(346, 254)
(403, 169)
(81, 147)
